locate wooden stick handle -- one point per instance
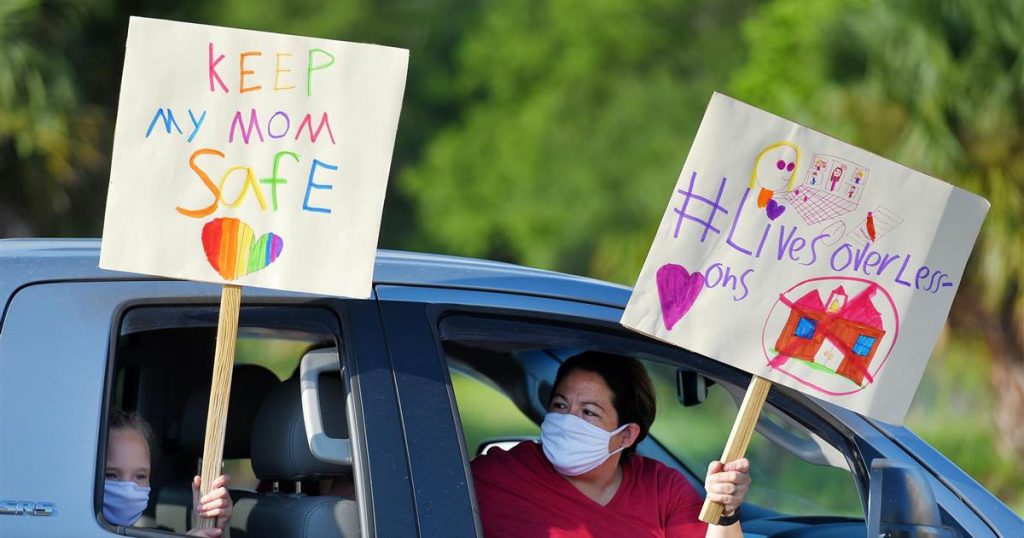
(220, 392)
(739, 438)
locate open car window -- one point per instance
(489, 418)
(785, 457)
(506, 366)
(161, 372)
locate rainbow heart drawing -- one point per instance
(233, 249)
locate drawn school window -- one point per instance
(805, 328)
(863, 345)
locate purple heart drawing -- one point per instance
(774, 209)
(678, 290)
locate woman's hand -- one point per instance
(728, 484)
(215, 504)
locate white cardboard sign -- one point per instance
(805, 260)
(251, 158)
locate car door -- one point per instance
(57, 348)
(443, 487)
(429, 327)
(826, 451)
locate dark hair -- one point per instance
(632, 390)
(123, 420)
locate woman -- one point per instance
(126, 485)
(584, 479)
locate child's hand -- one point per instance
(215, 504)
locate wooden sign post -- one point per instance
(805, 261)
(248, 158)
(220, 391)
(739, 437)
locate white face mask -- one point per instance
(573, 445)
(124, 501)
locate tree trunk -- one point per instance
(1004, 336)
(13, 222)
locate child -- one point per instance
(126, 489)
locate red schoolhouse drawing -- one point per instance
(840, 335)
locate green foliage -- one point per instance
(957, 70)
(59, 67)
(549, 132)
(696, 435)
(37, 90)
(430, 30)
(48, 136)
(952, 412)
(486, 413)
(790, 44)
(938, 86)
(572, 131)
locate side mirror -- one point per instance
(691, 387)
(901, 503)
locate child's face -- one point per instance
(128, 457)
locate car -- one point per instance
(360, 417)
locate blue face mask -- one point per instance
(123, 502)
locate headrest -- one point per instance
(250, 384)
(280, 450)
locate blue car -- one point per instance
(360, 417)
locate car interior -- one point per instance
(519, 358)
(287, 481)
(278, 487)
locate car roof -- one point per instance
(28, 261)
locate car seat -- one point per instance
(281, 452)
(250, 385)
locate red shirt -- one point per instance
(521, 495)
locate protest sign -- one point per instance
(805, 261)
(249, 158)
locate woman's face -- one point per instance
(586, 395)
(128, 457)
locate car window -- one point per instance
(488, 416)
(501, 388)
(696, 435)
(278, 355)
(161, 373)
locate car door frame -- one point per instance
(864, 441)
(79, 352)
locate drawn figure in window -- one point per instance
(850, 193)
(858, 176)
(819, 166)
(775, 171)
(837, 174)
(837, 336)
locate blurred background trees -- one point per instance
(939, 87)
(549, 133)
(53, 155)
